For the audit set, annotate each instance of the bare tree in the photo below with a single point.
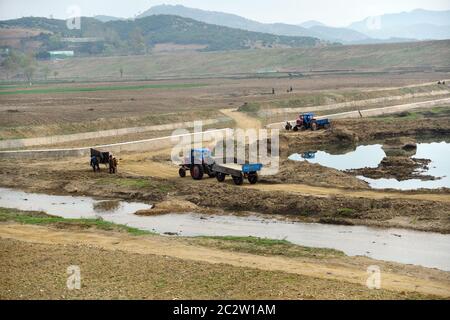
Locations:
(28, 65)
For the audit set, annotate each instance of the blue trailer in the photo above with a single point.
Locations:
(238, 172)
(200, 162)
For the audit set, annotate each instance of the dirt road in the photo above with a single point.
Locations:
(167, 171)
(242, 120)
(162, 246)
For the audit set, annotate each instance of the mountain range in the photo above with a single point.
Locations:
(415, 25)
(121, 36)
(418, 24)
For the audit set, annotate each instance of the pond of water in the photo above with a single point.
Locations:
(370, 156)
(404, 246)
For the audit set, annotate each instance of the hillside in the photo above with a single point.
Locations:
(235, 21)
(383, 57)
(140, 35)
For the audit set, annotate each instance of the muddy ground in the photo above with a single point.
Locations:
(34, 262)
(303, 191)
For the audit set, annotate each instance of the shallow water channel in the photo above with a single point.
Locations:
(370, 156)
(399, 245)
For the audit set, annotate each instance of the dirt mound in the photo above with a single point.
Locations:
(313, 174)
(170, 206)
(397, 167)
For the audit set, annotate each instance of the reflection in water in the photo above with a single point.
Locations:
(405, 246)
(107, 206)
(371, 156)
(64, 206)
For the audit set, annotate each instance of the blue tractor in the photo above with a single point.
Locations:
(198, 163)
(307, 121)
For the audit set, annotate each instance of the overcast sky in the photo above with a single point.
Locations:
(331, 12)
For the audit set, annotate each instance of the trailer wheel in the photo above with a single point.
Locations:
(220, 176)
(238, 180)
(182, 172)
(253, 178)
(314, 126)
(197, 172)
(295, 128)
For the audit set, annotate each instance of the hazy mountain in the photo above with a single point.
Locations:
(419, 24)
(310, 28)
(228, 20)
(104, 18)
(339, 34)
(311, 23)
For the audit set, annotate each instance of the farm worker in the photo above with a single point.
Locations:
(115, 162)
(112, 169)
(94, 163)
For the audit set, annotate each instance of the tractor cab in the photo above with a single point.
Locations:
(198, 162)
(305, 119)
(199, 156)
(308, 121)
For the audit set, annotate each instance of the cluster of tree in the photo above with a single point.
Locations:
(19, 62)
(25, 64)
(137, 36)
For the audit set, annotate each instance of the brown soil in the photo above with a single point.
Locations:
(331, 198)
(173, 205)
(352, 131)
(119, 266)
(34, 114)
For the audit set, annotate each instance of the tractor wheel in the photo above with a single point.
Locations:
(253, 178)
(182, 172)
(220, 176)
(295, 128)
(238, 180)
(327, 126)
(197, 172)
(314, 126)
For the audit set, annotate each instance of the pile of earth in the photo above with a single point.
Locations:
(399, 163)
(400, 168)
